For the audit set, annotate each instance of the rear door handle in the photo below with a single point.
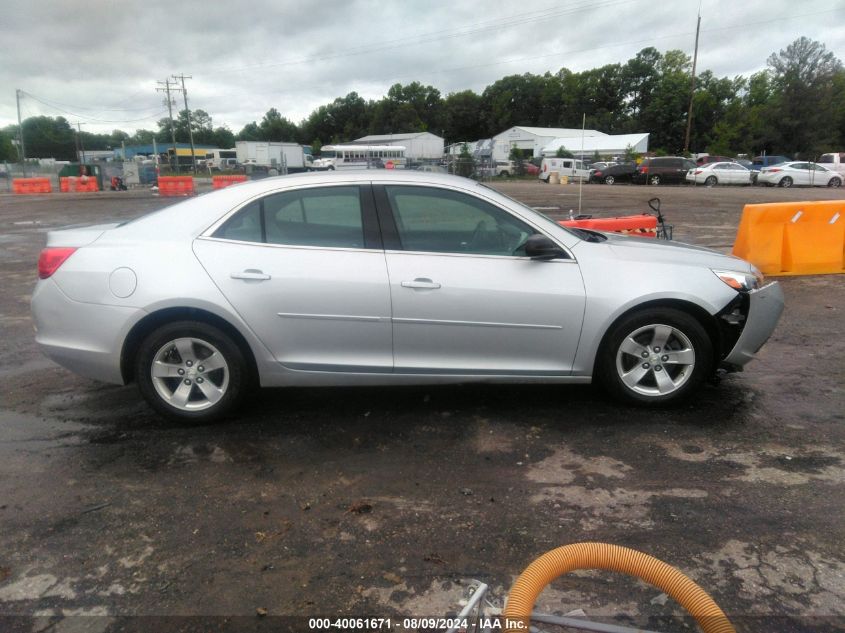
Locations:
(421, 282)
(251, 274)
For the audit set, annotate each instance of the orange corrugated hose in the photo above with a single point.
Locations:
(568, 558)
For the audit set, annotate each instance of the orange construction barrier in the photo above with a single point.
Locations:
(78, 184)
(642, 225)
(218, 182)
(31, 185)
(176, 185)
(793, 238)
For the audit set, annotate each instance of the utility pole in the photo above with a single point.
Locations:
(190, 130)
(79, 137)
(166, 89)
(22, 150)
(692, 86)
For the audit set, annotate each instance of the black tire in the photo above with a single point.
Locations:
(331, 168)
(786, 182)
(612, 362)
(504, 174)
(835, 182)
(711, 181)
(609, 180)
(654, 179)
(207, 338)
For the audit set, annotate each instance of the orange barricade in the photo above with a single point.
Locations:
(78, 184)
(218, 182)
(31, 185)
(175, 185)
(793, 238)
(643, 225)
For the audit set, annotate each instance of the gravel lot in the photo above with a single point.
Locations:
(386, 502)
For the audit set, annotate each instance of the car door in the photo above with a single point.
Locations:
(800, 173)
(465, 301)
(305, 269)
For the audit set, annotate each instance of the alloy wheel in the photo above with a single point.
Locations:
(655, 360)
(190, 374)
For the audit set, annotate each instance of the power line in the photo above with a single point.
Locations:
(83, 116)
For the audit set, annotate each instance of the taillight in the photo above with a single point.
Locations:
(597, 173)
(698, 171)
(772, 170)
(51, 258)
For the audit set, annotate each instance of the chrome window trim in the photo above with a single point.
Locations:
(294, 246)
(479, 256)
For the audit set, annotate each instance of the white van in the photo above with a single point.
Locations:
(834, 161)
(572, 168)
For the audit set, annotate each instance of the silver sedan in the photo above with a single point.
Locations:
(380, 278)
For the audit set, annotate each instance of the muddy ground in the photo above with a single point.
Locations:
(387, 502)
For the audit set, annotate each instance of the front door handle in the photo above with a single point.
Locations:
(251, 274)
(421, 282)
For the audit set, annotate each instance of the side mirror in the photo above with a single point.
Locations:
(542, 248)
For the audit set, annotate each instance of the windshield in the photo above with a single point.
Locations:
(328, 153)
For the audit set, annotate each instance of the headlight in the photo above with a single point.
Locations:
(740, 280)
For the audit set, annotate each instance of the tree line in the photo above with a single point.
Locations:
(795, 106)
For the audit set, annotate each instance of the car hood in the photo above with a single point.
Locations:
(651, 249)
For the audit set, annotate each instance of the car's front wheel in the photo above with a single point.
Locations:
(655, 356)
(191, 370)
(835, 182)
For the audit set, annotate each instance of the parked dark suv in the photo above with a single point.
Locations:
(663, 169)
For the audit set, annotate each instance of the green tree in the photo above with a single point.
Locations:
(275, 127)
(465, 164)
(562, 152)
(803, 77)
(517, 160)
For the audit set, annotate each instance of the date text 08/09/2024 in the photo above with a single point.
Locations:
(419, 625)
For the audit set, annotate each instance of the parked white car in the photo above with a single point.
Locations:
(799, 173)
(572, 168)
(712, 174)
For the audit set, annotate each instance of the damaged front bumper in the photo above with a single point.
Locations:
(764, 307)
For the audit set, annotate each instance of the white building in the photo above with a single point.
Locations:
(418, 145)
(533, 138)
(605, 145)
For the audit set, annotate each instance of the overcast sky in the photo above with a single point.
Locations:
(97, 61)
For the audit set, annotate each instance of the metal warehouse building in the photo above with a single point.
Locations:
(533, 138)
(418, 145)
(605, 145)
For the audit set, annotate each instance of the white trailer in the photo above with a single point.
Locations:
(284, 157)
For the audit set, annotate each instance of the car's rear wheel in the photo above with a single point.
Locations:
(191, 370)
(609, 180)
(835, 182)
(504, 174)
(711, 181)
(654, 180)
(786, 181)
(655, 356)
